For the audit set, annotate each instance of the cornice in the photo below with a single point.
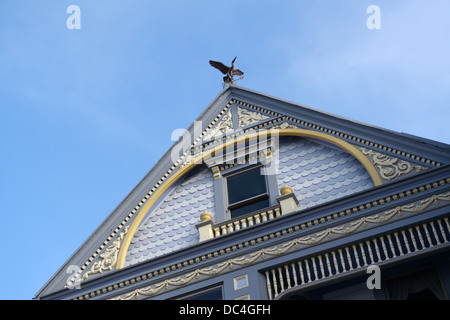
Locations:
(391, 140)
(364, 223)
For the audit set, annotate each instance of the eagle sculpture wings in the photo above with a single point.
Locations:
(229, 72)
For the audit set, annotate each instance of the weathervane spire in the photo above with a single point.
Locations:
(229, 72)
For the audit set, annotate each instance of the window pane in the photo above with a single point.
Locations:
(245, 185)
(264, 203)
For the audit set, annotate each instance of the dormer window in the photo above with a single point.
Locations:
(246, 191)
(244, 179)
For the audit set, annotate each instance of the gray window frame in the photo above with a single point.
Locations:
(221, 193)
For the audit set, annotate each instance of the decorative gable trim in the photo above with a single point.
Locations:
(288, 122)
(251, 118)
(108, 258)
(247, 117)
(224, 126)
(391, 168)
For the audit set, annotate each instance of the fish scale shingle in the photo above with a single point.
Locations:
(318, 173)
(171, 225)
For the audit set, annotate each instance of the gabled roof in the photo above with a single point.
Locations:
(394, 155)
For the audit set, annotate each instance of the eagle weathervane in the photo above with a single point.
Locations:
(229, 72)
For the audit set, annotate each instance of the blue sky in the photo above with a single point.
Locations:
(85, 114)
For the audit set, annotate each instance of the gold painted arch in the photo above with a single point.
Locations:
(210, 153)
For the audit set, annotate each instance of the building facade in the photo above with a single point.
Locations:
(264, 199)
